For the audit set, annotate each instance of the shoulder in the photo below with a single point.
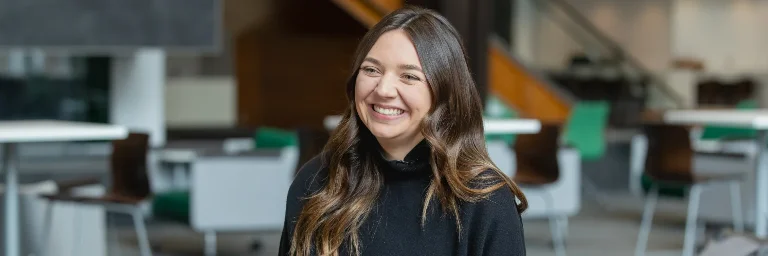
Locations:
(495, 226)
(310, 178)
(499, 203)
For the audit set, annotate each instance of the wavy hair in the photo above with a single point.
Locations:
(453, 129)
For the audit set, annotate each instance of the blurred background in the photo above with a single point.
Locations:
(235, 95)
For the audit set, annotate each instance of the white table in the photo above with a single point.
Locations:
(754, 119)
(492, 126)
(15, 132)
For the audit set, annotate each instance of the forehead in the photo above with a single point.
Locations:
(395, 47)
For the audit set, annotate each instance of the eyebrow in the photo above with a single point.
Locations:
(402, 66)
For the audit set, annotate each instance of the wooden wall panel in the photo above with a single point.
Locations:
(291, 71)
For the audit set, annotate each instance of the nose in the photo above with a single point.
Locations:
(386, 87)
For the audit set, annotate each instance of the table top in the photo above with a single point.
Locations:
(492, 126)
(756, 119)
(511, 126)
(53, 131)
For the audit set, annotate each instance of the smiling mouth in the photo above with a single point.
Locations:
(387, 111)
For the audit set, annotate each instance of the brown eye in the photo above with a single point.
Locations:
(369, 71)
(410, 77)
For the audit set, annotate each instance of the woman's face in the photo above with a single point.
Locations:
(391, 91)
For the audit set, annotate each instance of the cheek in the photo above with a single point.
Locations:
(419, 100)
(363, 87)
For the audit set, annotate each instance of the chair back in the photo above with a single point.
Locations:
(537, 155)
(585, 129)
(129, 166)
(714, 132)
(670, 154)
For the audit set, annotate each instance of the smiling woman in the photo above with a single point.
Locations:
(406, 172)
(392, 95)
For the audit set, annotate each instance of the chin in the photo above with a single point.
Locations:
(385, 132)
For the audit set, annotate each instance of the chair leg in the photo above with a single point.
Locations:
(556, 226)
(563, 223)
(645, 225)
(691, 221)
(738, 217)
(558, 235)
(141, 232)
(46, 229)
(210, 243)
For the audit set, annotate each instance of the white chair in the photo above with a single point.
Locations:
(88, 222)
(665, 153)
(549, 175)
(243, 192)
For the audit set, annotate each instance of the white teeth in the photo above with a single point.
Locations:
(388, 111)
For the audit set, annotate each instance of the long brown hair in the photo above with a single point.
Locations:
(453, 129)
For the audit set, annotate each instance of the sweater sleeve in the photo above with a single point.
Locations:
(308, 179)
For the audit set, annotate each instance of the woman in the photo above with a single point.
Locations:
(406, 172)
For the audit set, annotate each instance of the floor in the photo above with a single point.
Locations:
(595, 232)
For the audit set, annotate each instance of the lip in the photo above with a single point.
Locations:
(381, 116)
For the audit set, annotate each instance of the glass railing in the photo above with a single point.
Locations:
(578, 40)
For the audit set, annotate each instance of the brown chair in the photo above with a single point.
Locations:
(537, 156)
(669, 163)
(538, 169)
(129, 186)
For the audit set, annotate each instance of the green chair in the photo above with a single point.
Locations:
(712, 132)
(495, 108)
(723, 132)
(275, 138)
(585, 129)
(709, 133)
(172, 205)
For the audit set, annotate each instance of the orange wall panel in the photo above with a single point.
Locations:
(387, 5)
(513, 85)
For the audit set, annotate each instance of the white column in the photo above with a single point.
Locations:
(138, 92)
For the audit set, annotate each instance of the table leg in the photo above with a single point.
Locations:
(11, 201)
(761, 187)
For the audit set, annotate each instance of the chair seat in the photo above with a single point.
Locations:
(172, 205)
(118, 199)
(526, 176)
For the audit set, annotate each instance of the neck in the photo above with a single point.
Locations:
(397, 149)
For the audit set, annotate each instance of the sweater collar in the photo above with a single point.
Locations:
(417, 160)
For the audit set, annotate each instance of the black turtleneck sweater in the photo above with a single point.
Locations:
(490, 227)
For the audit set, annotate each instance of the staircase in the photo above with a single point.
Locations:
(520, 88)
(604, 70)
(607, 72)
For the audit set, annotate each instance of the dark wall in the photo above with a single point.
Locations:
(473, 19)
(111, 24)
